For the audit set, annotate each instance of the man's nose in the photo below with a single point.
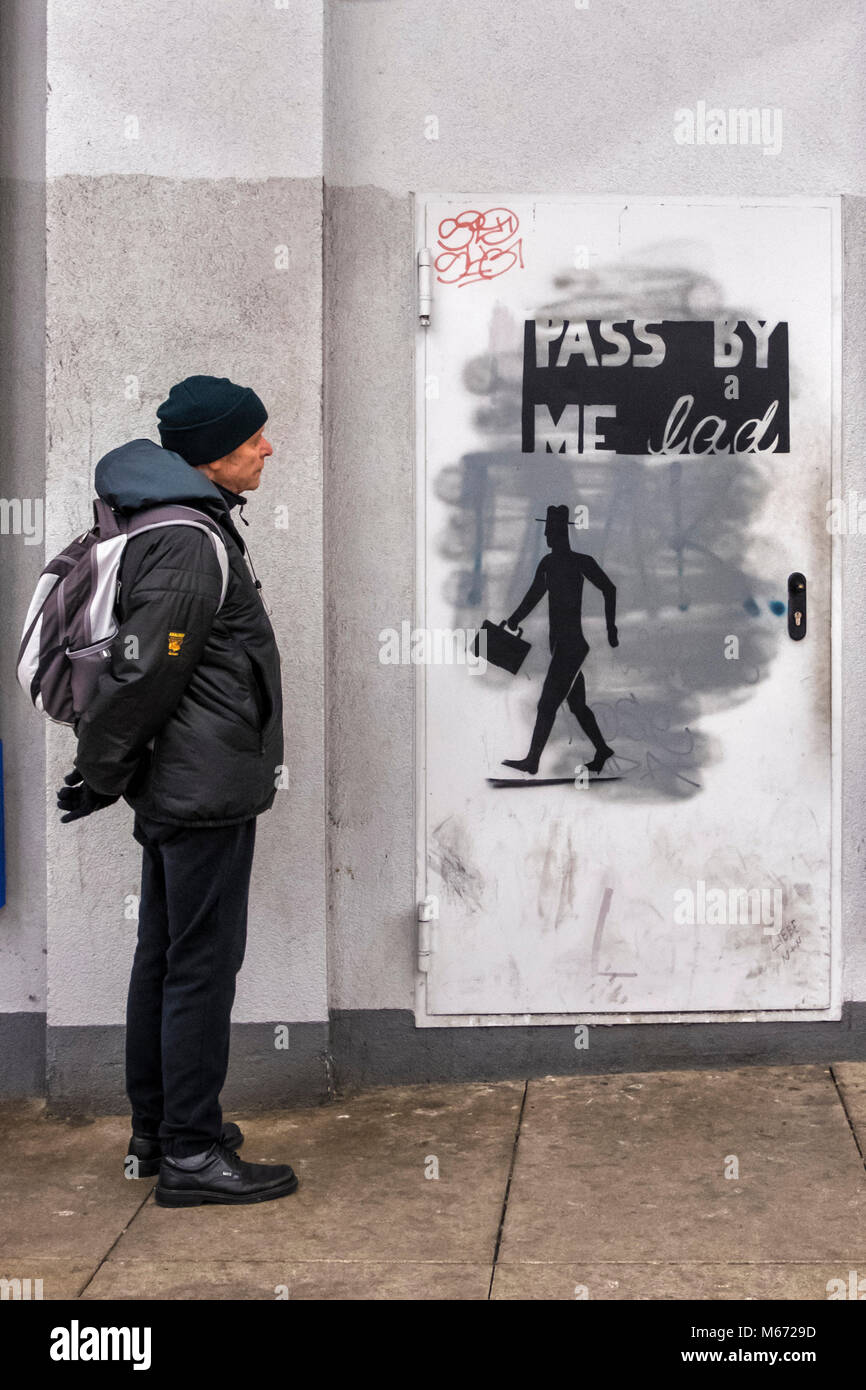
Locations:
(266, 449)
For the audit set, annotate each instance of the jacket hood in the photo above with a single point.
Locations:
(143, 474)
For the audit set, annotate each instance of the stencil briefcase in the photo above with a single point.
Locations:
(504, 648)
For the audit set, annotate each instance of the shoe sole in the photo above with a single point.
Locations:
(192, 1197)
(149, 1167)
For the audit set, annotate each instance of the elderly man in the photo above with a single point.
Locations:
(187, 727)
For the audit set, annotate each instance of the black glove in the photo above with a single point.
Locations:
(612, 637)
(77, 799)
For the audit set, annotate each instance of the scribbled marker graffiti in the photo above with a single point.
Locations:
(474, 246)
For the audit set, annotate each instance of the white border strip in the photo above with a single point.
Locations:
(836, 610)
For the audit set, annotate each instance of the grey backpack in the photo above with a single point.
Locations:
(71, 621)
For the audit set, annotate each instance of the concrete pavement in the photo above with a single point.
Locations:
(734, 1184)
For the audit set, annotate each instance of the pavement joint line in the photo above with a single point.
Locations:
(675, 1264)
(847, 1113)
(458, 1264)
(338, 1260)
(113, 1244)
(507, 1188)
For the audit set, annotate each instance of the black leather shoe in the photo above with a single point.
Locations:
(219, 1177)
(148, 1152)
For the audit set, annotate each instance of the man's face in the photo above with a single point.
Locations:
(241, 470)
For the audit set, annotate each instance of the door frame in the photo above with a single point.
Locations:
(833, 1012)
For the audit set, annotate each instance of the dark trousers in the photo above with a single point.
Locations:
(192, 929)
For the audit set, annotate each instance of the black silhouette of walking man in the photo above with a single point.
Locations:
(562, 573)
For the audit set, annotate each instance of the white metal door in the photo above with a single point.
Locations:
(667, 371)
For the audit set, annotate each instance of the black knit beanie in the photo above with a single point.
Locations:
(206, 417)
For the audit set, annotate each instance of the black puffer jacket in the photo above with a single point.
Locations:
(187, 725)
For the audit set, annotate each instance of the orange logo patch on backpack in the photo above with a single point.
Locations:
(175, 641)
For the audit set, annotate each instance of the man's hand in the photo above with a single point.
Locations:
(77, 799)
(612, 637)
(509, 622)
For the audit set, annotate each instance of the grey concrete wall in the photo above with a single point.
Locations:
(184, 157)
(186, 143)
(208, 299)
(22, 434)
(530, 98)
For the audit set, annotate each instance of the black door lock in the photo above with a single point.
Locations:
(797, 606)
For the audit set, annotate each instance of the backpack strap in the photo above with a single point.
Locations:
(105, 520)
(153, 518)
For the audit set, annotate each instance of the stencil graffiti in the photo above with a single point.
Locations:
(561, 576)
(635, 387)
(672, 526)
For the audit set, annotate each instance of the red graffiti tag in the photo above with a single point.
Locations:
(474, 246)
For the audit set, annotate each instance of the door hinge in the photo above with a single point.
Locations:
(425, 285)
(428, 913)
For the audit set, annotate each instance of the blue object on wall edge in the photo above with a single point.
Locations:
(2, 837)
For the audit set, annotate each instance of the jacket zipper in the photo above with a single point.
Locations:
(258, 584)
(249, 559)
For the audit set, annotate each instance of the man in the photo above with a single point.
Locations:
(187, 727)
(561, 574)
